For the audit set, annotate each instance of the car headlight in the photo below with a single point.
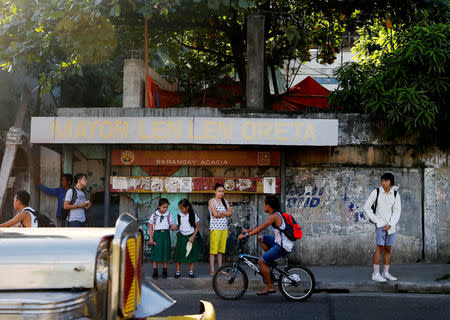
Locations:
(102, 266)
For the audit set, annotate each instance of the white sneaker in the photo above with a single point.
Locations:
(389, 277)
(378, 278)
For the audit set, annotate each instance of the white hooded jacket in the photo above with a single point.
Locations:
(388, 208)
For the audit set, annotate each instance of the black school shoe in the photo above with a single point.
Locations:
(164, 274)
(177, 275)
(155, 273)
(191, 274)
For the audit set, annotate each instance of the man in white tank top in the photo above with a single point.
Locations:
(24, 218)
(274, 246)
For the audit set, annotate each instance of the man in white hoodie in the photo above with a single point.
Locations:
(383, 207)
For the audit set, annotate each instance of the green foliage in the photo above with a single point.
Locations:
(201, 40)
(405, 81)
(56, 40)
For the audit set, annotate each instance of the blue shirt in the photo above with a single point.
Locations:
(57, 192)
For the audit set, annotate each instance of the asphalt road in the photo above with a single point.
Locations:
(323, 306)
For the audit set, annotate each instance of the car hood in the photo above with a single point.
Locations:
(49, 258)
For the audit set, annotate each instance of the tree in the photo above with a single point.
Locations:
(199, 39)
(403, 77)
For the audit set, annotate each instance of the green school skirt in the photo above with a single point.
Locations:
(161, 251)
(180, 249)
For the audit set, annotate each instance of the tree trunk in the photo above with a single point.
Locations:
(238, 48)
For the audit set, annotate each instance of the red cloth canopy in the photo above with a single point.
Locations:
(227, 93)
(160, 98)
(307, 93)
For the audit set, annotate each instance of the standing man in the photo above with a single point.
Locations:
(77, 214)
(24, 217)
(66, 182)
(383, 207)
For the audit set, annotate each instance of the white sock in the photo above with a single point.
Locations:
(376, 268)
(385, 269)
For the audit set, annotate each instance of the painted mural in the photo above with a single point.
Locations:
(141, 184)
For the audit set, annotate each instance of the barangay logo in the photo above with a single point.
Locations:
(229, 185)
(127, 157)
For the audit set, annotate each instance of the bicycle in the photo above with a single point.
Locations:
(230, 281)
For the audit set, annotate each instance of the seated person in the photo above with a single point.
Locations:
(275, 246)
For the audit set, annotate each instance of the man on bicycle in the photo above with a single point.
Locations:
(275, 246)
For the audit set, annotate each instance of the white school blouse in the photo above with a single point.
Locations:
(185, 227)
(161, 221)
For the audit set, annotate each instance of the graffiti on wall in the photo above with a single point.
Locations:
(310, 197)
(355, 214)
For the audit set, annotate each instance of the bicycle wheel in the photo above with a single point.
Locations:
(298, 284)
(230, 283)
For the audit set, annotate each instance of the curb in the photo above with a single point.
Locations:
(321, 286)
(390, 287)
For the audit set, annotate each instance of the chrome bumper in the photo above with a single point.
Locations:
(88, 304)
(51, 305)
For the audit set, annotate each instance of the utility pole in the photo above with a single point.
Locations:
(255, 63)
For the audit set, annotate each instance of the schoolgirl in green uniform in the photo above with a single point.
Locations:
(188, 229)
(159, 225)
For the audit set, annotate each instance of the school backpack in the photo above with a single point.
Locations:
(65, 213)
(292, 230)
(42, 220)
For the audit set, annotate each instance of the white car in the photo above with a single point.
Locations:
(78, 273)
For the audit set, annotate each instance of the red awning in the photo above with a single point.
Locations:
(307, 93)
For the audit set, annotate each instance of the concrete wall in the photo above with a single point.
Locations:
(336, 231)
(436, 215)
(442, 177)
(328, 204)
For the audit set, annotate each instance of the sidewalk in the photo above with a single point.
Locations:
(413, 278)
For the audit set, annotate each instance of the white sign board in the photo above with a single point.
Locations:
(187, 130)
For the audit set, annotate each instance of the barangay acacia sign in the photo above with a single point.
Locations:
(184, 130)
(235, 158)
